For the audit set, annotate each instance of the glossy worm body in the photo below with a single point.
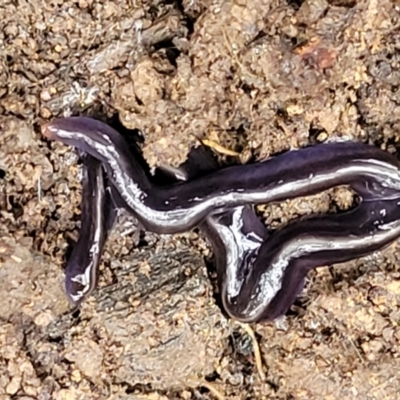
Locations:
(260, 275)
(98, 214)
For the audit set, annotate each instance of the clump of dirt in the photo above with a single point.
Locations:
(250, 79)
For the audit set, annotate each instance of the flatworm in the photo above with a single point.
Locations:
(260, 275)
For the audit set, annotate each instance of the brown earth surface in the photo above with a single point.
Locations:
(254, 77)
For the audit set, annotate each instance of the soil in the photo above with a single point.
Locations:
(251, 78)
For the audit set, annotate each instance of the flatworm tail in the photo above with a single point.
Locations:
(97, 218)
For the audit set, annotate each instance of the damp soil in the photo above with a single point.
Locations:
(251, 79)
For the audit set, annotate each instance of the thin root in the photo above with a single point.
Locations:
(256, 349)
(219, 148)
